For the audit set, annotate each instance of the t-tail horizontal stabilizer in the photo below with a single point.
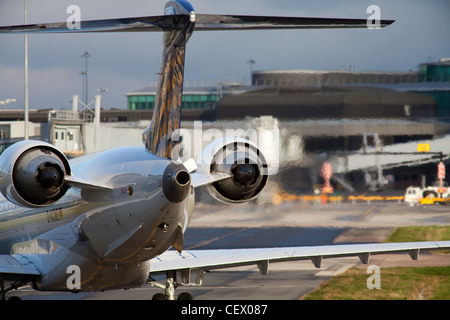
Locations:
(203, 22)
(213, 22)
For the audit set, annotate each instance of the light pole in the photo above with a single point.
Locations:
(26, 75)
(83, 87)
(86, 55)
(251, 62)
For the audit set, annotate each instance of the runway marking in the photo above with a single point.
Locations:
(333, 272)
(369, 210)
(206, 242)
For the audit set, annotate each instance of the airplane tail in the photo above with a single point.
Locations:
(159, 137)
(178, 23)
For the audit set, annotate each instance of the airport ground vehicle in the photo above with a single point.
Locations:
(434, 194)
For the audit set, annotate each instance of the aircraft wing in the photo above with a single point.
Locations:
(197, 260)
(17, 265)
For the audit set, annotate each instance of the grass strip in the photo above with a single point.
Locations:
(401, 283)
(420, 233)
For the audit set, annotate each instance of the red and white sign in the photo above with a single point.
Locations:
(327, 173)
(441, 171)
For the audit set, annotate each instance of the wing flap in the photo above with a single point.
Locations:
(227, 258)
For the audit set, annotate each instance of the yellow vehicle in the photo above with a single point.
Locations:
(430, 195)
(431, 200)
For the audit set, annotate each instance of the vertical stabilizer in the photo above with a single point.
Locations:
(167, 111)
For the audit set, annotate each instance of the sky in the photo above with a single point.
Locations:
(126, 62)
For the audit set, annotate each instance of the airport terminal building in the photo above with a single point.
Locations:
(325, 114)
(321, 116)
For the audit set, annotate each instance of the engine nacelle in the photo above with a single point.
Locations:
(32, 173)
(243, 161)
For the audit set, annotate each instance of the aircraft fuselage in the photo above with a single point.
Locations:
(109, 231)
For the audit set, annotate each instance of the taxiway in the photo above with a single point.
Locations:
(289, 224)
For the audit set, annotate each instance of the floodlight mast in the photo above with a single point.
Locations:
(26, 134)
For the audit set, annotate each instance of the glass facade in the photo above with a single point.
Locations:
(437, 72)
(434, 72)
(140, 101)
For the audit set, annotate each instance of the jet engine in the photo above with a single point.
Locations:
(32, 173)
(243, 165)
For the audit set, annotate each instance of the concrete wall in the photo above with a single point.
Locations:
(112, 135)
(17, 129)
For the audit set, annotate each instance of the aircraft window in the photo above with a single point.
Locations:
(56, 135)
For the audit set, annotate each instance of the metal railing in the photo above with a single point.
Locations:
(70, 115)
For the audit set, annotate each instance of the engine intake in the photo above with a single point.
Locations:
(245, 164)
(32, 173)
